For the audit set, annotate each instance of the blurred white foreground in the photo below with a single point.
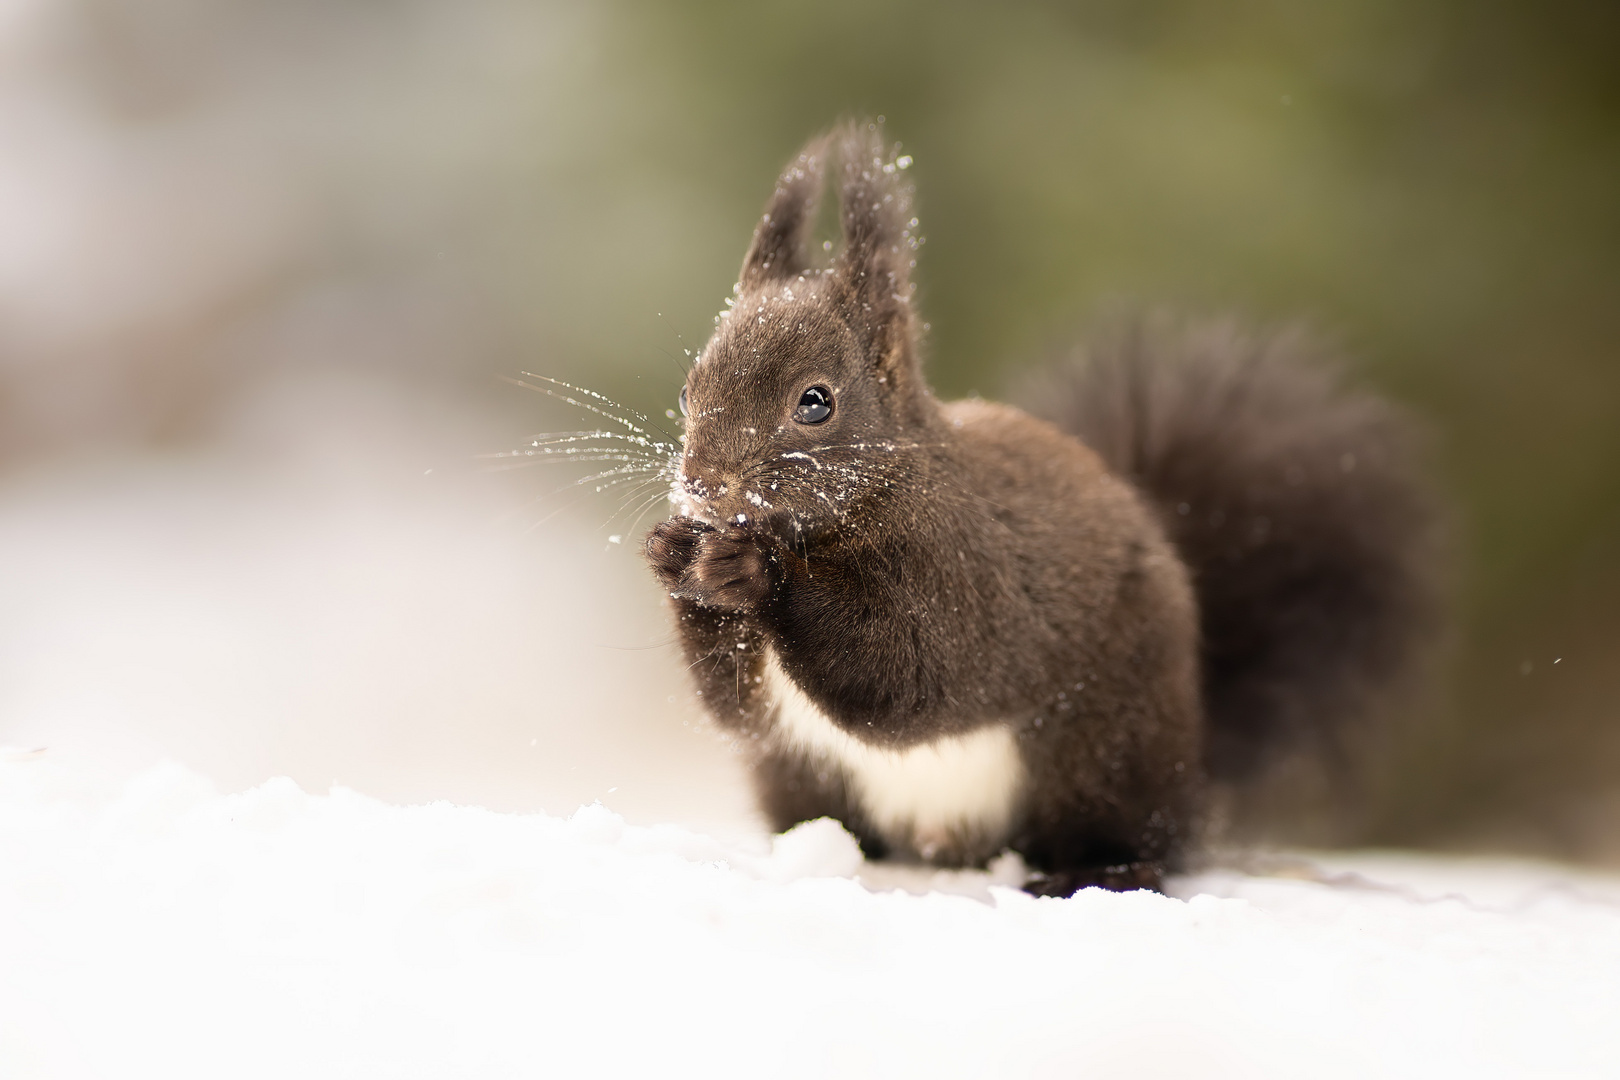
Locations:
(329, 598)
(174, 932)
(328, 592)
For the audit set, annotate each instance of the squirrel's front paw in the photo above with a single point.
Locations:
(732, 570)
(671, 546)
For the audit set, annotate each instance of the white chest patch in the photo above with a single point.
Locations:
(953, 793)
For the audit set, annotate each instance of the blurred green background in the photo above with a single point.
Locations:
(204, 197)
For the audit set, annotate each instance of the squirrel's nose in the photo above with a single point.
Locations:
(702, 488)
(707, 483)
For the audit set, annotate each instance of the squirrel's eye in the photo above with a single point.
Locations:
(682, 401)
(815, 405)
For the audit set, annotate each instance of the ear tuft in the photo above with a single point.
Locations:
(870, 279)
(778, 248)
(875, 200)
(880, 248)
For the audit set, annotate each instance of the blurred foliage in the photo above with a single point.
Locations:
(494, 186)
(1436, 184)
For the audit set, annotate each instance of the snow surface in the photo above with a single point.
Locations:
(315, 597)
(168, 930)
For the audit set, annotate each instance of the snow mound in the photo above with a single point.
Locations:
(168, 930)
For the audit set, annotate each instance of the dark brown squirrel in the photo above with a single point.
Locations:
(960, 629)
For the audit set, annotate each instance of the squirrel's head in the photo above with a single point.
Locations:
(806, 406)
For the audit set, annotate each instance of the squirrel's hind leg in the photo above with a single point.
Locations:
(1079, 852)
(1119, 877)
(793, 787)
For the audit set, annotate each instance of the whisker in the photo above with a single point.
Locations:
(640, 509)
(639, 464)
(581, 495)
(684, 365)
(587, 406)
(635, 526)
(578, 484)
(565, 505)
(611, 480)
(521, 462)
(601, 398)
(565, 438)
(666, 643)
(635, 495)
(604, 404)
(680, 365)
(565, 452)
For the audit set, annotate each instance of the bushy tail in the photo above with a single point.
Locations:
(1295, 501)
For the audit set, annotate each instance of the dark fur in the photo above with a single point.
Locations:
(1294, 501)
(925, 569)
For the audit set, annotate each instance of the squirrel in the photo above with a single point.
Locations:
(961, 628)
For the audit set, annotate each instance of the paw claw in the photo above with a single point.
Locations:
(731, 570)
(671, 546)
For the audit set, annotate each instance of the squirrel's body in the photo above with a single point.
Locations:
(951, 626)
(869, 694)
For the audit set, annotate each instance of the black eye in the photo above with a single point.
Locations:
(815, 405)
(682, 401)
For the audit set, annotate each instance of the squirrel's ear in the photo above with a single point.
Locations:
(880, 241)
(779, 238)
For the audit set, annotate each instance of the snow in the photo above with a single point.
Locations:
(166, 929)
(333, 603)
